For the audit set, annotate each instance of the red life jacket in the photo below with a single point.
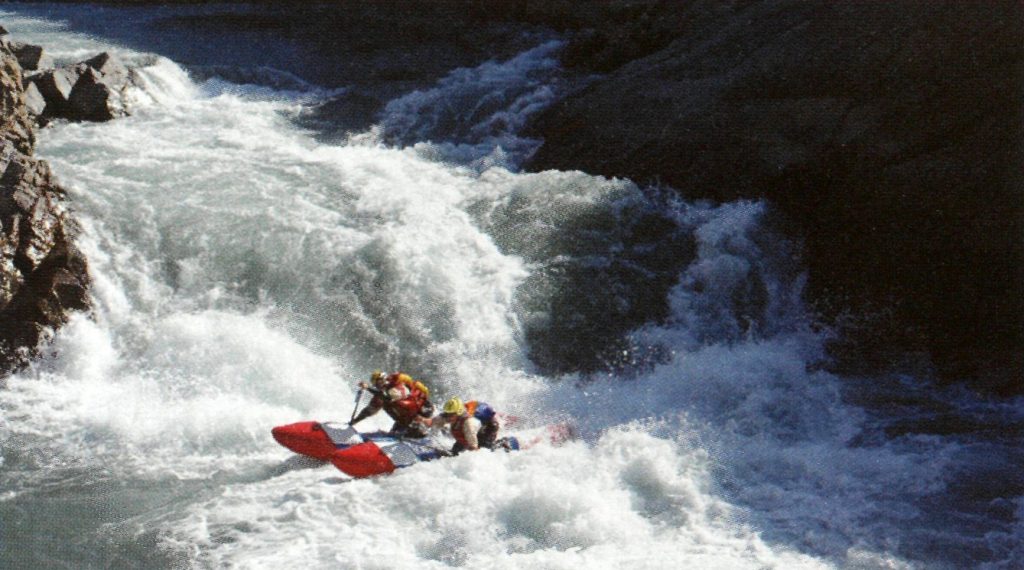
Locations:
(404, 408)
(474, 409)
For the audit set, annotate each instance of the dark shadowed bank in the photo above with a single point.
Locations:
(887, 135)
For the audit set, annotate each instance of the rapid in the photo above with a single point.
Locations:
(248, 273)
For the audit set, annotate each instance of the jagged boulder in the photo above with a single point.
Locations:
(55, 85)
(98, 94)
(31, 57)
(43, 275)
(15, 123)
(92, 90)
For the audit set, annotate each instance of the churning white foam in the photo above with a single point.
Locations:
(473, 116)
(629, 499)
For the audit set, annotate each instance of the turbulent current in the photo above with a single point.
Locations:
(248, 273)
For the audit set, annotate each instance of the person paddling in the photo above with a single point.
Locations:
(402, 398)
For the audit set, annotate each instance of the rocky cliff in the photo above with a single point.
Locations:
(889, 134)
(43, 276)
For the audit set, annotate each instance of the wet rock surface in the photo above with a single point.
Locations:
(15, 123)
(43, 275)
(92, 90)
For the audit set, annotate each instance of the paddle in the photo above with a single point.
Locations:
(355, 408)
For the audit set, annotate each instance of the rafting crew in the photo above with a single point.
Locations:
(473, 424)
(400, 396)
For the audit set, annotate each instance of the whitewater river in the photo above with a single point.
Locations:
(247, 274)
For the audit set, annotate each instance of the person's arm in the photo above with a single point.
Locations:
(435, 426)
(469, 429)
(371, 389)
(372, 408)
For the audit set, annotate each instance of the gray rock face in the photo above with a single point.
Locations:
(15, 124)
(95, 98)
(890, 135)
(31, 57)
(109, 68)
(92, 90)
(43, 276)
(55, 86)
(35, 104)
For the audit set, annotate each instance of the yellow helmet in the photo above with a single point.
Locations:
(454, 407)
(377, 376)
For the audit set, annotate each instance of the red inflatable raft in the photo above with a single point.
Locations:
(355, 454)
(365, 455)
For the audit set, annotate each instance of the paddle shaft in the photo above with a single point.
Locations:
(355, 408)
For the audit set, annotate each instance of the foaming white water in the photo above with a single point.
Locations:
(246, 276)
(629, 499)
(472, 116)
(220, 243)
(191, 398)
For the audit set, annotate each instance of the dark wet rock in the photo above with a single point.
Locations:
(43, 275)
(94, 98)
(98, 94)
(55, 86)
(92, 90)
(890, 135)
(31, 57)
